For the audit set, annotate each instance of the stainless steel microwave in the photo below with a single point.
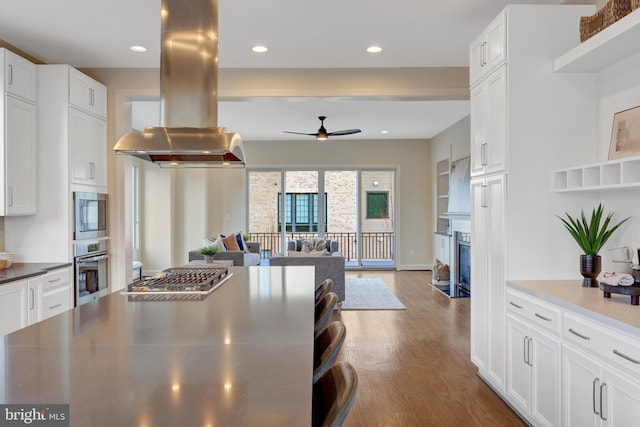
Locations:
(90, 215)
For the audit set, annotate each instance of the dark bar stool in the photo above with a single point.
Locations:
(323, 289)
(326, 347)
(323, 310)
(333, 395)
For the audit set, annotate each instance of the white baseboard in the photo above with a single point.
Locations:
(414, 267)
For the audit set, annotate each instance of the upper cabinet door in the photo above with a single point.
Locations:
(488, 50)
(20, 164)
(87, 94)
(19, 76)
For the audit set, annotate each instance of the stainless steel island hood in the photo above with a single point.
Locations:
(189, 136)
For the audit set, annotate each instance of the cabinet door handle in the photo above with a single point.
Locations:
(10, 74)
(91, 96)
(525, 353)
(92, 170)
(603, 388)
(483, 196)
(530, 363)
(33, 299)
(593, 394)
(515, 305)
(624, 356)
(540, 316)
(578, 334)
(484, 54)
(10, 191)
(55, 306)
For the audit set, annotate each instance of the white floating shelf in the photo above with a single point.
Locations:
(622, 173)
(609, 46)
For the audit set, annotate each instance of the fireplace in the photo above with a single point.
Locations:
(462, 276)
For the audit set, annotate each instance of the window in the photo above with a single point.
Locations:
(300, 212)
(377, 204)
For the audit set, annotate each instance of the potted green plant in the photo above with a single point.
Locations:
(208, 252)
(591, 235)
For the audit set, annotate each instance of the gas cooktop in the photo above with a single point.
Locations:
(187, 282)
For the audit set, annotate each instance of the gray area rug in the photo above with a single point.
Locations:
(369, 294)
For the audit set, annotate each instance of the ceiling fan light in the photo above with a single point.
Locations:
(260, 49)
(374, 49)
(321, 137)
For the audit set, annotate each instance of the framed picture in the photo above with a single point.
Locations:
(625, 135)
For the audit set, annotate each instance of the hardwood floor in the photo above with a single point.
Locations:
(413, 365)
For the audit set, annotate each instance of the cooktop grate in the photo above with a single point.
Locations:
(180, 281)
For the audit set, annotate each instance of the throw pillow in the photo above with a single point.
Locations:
(218, 244)
(240, 241)
(231, 243)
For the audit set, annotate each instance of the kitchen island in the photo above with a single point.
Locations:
(242, 356)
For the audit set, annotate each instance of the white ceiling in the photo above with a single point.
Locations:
(299, 34)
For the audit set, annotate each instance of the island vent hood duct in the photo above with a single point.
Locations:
(188, 136)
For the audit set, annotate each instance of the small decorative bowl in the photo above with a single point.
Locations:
(6, 259)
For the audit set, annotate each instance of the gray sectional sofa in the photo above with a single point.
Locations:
(329, 266)
(239, 258)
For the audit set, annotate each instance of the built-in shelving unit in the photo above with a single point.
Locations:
(609, 46)
(442, 196)
(622, 173)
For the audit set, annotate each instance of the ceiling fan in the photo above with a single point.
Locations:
(322, 133)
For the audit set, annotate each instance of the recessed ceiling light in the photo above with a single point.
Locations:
(259, 49)
(138, 48)
(374, 49)
(384, 131)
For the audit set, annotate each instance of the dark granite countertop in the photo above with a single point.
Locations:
(20, 271)
(243, 356)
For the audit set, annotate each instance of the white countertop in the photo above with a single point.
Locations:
(589, 302)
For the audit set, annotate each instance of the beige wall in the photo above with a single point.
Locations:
(410, 157)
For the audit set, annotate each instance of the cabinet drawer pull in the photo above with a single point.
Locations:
(578, 334)
(624, 356)
(593, 394)
(603, 387)
(55, 306)
(540, 316)
(515, 305)
(54, 280)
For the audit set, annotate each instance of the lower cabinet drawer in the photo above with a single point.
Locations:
(56, 301)
(618, 348)
(535, 311)
(56, 278)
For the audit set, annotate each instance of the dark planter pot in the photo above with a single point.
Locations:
(590, 266)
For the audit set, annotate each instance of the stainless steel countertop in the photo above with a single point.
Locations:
(20, 271)
(241, 357)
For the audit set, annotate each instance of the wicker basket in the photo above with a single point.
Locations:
(635, 4)
(610, 13)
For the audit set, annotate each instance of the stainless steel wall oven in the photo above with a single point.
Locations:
(91, 260)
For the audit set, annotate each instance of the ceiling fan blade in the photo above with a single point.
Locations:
(300, 133)
(344, 132)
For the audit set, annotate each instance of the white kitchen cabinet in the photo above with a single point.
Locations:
(13, 306)
(87, 94)
(533, 372)
(595, 394)
(20, 189)
(57, 292)
(18, 130)
(489, 124)
(489, 49)
(19, 76)
(487, 278)
(87, 148)
(520, 131)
